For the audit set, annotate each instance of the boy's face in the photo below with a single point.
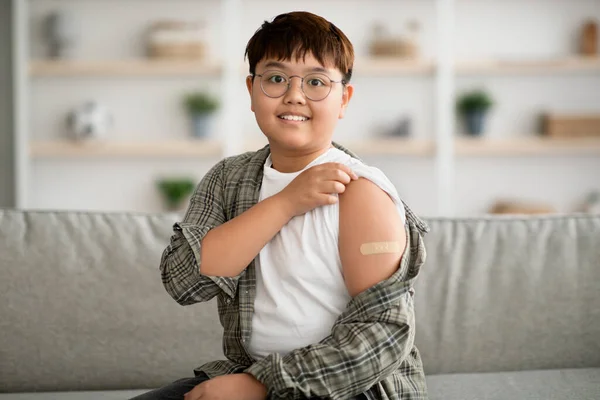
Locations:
(315, 131)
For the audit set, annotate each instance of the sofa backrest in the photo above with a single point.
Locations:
(82, 305)
(510, 293)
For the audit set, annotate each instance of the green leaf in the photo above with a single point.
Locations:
(200, 103)
(476, 100)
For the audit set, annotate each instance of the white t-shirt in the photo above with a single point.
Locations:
(300, 289)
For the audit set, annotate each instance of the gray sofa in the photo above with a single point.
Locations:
(507, 308)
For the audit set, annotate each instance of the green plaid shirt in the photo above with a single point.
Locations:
(370, 348)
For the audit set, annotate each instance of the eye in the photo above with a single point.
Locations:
(313, 81)
(277, 79)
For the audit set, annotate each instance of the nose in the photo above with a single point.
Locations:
(294, 94)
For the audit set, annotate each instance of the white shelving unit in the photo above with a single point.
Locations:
(390, 66)
(565, 65)
(20, 59)
(443, 147)
(111, 149)
(534, 146)
(123, 68)
(528, 146)
(362, 66)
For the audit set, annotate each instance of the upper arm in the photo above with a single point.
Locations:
(368, 215)
(206, 206)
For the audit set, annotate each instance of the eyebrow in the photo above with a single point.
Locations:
(275, 64)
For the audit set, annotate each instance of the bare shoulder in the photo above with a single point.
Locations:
(364, 192)
(369, 219)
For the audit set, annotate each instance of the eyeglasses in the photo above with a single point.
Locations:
(275, 84)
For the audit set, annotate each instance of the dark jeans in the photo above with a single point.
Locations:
(173, 391)
(177, 389)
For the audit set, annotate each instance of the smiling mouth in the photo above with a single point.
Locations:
(296, 118)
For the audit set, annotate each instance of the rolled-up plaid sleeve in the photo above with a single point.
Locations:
(181, 261)
(367, 344)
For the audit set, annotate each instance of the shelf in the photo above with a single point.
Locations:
(392, 66)
(367, 66)
(391, 146)
(542, 66)
(362, 67)
(383, 146)
(73, 149)
(534, 146)
(133, 67)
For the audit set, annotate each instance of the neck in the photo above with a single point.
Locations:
(287, 161)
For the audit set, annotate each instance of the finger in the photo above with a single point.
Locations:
(195, 393)
(331, 187)
(197, 397)
(347, 170)
(328, 199)
(336, 174)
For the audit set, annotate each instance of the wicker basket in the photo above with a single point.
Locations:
(393, 48)
(176, 40)
(570, 126)
(192, 51)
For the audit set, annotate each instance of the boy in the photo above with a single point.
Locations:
(310, 253)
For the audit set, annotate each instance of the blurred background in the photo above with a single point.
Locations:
(469, 106)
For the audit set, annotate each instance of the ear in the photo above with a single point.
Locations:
(249, 84)
(346, 96)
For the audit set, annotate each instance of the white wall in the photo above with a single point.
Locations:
(150, 108)
(520, 29)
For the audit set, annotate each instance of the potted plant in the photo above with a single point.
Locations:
(201, 106)
(473, 106)
(175, 191)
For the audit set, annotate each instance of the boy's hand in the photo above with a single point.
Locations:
(229, 387)
(314, 187)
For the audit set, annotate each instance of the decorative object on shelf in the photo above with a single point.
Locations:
(521, 207)
(175, 191)
(89, 121)
(385, 45)
(401, 127)
(61, 33)
(591, 204)
(176, 40)
(201, 107)
(571, 125)
(589, 38)
(473, 107)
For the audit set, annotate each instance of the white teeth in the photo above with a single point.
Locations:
(293, 117)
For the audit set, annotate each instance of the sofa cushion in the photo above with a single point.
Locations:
(509, 294)
(572, 384)
(83, 307)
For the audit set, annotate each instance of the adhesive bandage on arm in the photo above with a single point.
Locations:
(379, 248)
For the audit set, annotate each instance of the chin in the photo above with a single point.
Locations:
(290, 144)
(289, 140)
